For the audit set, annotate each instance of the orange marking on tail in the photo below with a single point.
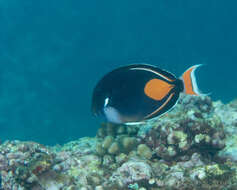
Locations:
(187, 79)
(157, 89)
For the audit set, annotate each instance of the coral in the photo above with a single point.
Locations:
(116, 140)
(228, 115)
(30, 165)
(131, 172)
(187, 130)
(193, 174)
(191, 147)
(121, 158)
(33, 166)
(144, 151)
(114, 130)
(114, 148)
(82, 146)
(107, 142)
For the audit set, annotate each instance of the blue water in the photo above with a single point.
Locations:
(52, 53)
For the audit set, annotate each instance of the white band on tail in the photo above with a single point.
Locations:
(189, 81)
(194, 81)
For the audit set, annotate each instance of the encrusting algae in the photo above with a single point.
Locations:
(191, 147)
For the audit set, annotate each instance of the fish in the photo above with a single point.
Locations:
(139, 92)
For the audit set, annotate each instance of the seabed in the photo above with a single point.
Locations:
(193, 147)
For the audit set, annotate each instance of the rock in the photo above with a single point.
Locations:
(114, 148)
(144, 151)
(131, 172)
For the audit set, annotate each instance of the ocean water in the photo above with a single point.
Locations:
(52, 53)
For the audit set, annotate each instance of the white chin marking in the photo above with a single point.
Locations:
(112, 115)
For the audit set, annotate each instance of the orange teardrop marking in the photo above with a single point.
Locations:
(157, 89)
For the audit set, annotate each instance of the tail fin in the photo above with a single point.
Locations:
(189, 80)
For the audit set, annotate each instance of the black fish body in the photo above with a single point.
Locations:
(137, 92)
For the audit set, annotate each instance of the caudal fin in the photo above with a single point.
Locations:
(189, 80)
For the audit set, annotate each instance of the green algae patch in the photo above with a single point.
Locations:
(144, 151)
(219, 174)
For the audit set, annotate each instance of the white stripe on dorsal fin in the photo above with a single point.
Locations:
(150, 70)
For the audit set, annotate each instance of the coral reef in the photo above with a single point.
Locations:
(191, 127)
(228, 115)
(191, 147)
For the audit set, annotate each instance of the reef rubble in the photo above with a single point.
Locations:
(192, 147)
